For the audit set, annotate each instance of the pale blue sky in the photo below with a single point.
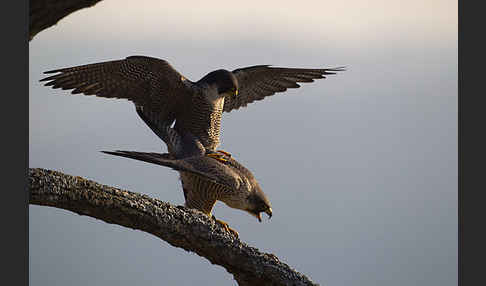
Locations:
(361, 167)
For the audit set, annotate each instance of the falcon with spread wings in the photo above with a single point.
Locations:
(164, 95)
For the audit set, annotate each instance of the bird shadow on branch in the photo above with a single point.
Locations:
(179, 226)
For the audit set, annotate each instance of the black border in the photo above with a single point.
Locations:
(15, 144)
(471, 143)
(15, 115)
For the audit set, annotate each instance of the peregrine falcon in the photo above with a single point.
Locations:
(206, 180)
(165, 96)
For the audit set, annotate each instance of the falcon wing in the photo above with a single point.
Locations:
(179, 145)
(258, 82)
(146, 81)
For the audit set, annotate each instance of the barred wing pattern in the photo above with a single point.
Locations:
(257, 82)
(146, 81)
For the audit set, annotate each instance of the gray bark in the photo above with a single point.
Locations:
(179, 226)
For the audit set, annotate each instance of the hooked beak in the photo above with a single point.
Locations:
(268, 212)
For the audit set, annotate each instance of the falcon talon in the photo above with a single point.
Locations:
(226, 227)
(224, 152)
(163, 97)
(161, 92)
(218, 157)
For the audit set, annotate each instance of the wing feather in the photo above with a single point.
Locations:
(257, 82)
(146, 81)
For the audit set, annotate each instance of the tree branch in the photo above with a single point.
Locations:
(46, 13)
(181, 227)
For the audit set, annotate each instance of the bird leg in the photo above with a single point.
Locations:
(226, 226)
(224, 152)
(218, 156)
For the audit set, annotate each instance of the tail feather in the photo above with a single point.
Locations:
(154, 158)
(164, 160)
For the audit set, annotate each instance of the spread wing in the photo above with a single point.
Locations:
(146, 81)
(258, 82)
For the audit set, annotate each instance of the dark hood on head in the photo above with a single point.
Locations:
(223, 79)
(259, 203)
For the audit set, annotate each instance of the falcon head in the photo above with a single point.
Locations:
(257, 203)
(224, 81)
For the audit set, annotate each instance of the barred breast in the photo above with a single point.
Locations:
(201, 193)
(203, 120)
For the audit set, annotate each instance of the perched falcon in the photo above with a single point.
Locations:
(204, 179)
(164, 95)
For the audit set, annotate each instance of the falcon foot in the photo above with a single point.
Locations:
(226, 227)
(224, 152)
(218, 156)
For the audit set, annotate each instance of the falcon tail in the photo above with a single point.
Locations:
(154, 158)
(163, 160)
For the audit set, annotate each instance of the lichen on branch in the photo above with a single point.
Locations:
(179, 226)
